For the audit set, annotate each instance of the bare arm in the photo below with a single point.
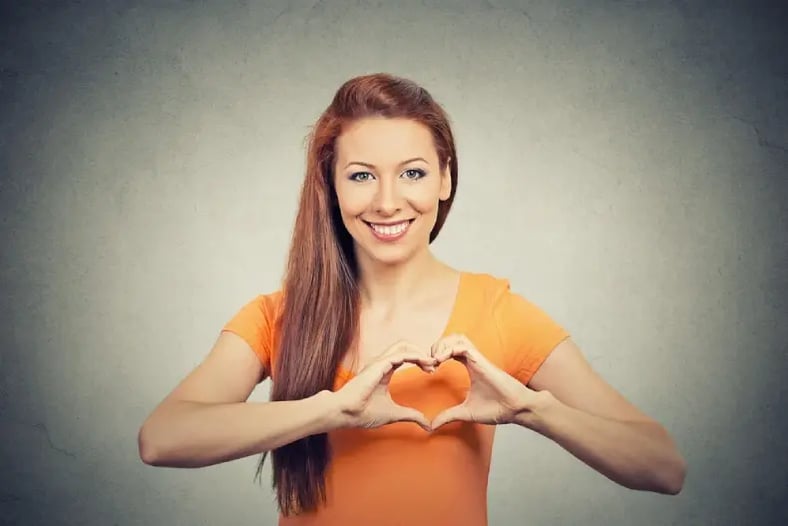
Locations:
(206, 419)
(586, 416)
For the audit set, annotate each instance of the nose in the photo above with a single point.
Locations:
(387, 198)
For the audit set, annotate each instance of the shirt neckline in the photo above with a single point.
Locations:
(346, 374)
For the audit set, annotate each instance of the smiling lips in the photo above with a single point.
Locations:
(390, 232)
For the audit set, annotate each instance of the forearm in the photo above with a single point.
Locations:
(637, 455)
(195, 434)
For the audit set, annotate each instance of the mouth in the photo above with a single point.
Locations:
(390, 231)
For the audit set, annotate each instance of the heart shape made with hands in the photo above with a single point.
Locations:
(494, 397)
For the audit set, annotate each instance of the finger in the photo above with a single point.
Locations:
(428, 368)
(438, 350)
(416, 357)
(463, 353)
(461, 349)
(467, 345)
(452, 414)
(408, 414)
(389, 364)
(388, 374)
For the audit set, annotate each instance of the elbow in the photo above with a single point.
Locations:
(145, 448)
(670, 470)
(672, 476)
(679, 477)
(149, 450)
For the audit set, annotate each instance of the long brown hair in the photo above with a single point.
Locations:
(319, 317)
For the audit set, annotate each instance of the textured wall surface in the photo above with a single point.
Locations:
(624, 164)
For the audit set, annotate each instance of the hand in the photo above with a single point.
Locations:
(365, 400)
(494, 396)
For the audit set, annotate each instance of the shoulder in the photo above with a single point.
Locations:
(526, 334)
(256, 323)
(493, 296)
(487, 289)
(269, 303)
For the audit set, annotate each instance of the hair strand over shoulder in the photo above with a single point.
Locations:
(318, 324)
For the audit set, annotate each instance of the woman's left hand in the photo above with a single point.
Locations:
(494, 396)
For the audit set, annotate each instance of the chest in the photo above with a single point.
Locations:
(377, 334)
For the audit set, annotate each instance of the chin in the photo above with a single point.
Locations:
(386, 256)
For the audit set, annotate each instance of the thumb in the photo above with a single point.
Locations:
(408, 414)
(451, 414)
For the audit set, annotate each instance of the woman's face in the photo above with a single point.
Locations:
(388, 185)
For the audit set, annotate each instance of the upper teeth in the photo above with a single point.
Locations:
(390, 230)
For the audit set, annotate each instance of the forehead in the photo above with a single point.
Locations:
(384, 140)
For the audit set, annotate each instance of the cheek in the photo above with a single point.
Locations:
(426, 200)
(351, 204)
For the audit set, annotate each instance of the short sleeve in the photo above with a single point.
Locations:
(527, 333)
(254, 322)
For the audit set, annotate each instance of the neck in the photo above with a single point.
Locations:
(387, 286)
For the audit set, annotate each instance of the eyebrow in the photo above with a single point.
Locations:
(368, 165)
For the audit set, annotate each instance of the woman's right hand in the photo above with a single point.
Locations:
(365, 400)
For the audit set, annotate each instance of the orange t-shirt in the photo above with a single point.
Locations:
(399, 474)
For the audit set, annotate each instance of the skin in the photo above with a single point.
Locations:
(389, 191)
(207, 419)
(565, 400)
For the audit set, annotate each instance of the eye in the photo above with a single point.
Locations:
(414, 174)
(360, 176)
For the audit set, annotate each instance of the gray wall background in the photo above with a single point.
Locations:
(623, 163)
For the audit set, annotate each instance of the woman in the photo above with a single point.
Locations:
(391, 369)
